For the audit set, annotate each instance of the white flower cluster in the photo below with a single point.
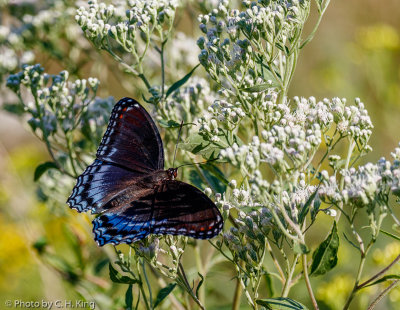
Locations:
(237, 43)
(164, 256)
(366, 186)
(182, 53)
(10, 58)
(143, 19)
(188, 102)
(246, 239)
(281, 147)
(220, 115)
(58, 103)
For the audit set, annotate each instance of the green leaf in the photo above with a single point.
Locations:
(280, 303)
(14, 108)
(325, 256)
(384, 279)
(197, 145)
(146, 100)
(164, 292)
(169, 124)
(40, 244)
(100, 264)
(117, 278)
(129, 298)
(390, 235)
(315, 208)
(269, 284)
(215, 177)
(200, 284)
(42, 168)
(300, 248)
(179, 83)
(306, 207)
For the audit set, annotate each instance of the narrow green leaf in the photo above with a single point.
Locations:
(325, 256)
(146, 100)
(100, 264)
(42, 168)
(138, 300)
(117, 278)
(14, 108)
(304, 211)
(315, 208)
(169, 124)
(384, 279)
(214, 176)
(390, 235)
(129, 298)
(215, 171)
(179, 83)
(164, 292)
(300, 248)
(197, 145)
(269, 283)
(280, 303)
(200, 284)
(280, 46)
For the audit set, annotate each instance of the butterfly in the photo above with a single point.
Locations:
(131, 192)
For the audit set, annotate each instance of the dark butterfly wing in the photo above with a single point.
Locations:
(98, 184)
(132, 139)
(173, 208)
(125, 224)
(182, 209)
(131, 147)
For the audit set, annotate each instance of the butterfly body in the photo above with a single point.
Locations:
(130, 190)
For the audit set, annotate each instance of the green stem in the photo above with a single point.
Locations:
(308, 283)
(276, 263)
(145, 81)
(200, 268)
(162, 69)
(288, 282)
(311, 36)
(237, 295)
(380, 273)
(70, 153)
(383, 294)
(148, 284)
(186, 285)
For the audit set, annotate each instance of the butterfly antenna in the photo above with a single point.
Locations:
(176, 146)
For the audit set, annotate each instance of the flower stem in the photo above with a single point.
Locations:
(383, 294)
(308, 283)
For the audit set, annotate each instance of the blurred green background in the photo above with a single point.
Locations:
(355, 53)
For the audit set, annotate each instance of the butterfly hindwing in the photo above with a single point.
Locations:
(182, 209)
(132, 139)
(126, 224)
(173, 207)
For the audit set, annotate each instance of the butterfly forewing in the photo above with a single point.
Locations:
(132, 139)
(98, 184)
(131, 147)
